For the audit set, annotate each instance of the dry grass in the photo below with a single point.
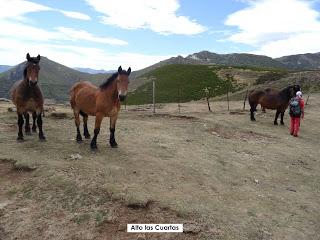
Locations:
(220, 174)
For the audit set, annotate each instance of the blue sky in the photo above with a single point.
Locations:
(104, 34)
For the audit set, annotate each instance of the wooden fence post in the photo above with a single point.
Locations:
(228, 100)
(307, 99)
(179, 100)
(153, 96)
(208, 104)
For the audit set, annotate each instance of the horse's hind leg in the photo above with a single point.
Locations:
(27, 125)
(20, 124)
(85, 125)
(99, 117)
(282, 115)
(34, 119)
(77, 122)
(39, 123)
(253, 108)
(276, 118)
(112, 141)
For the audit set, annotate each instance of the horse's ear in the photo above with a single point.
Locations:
(129, 71)
(28, 56)
(120, 69)
(38, 57)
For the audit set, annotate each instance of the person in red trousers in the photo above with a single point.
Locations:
(296, 113)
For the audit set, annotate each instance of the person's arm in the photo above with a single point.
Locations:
(302, 108)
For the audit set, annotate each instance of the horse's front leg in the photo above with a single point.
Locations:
(27, 125)
(39, 123)
(113, 120)
(99, 117)
(276, 118)
(282, 115)
(20, 124)
(34, 119)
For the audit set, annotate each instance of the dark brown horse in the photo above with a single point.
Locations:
(27, 97)
(104, 101)
(272, 99)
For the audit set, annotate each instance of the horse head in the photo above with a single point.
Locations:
(34, 60)
(296, 88)
(291, 90)
(123, 82)
(31, 71)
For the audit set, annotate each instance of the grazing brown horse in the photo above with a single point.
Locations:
(27, 97)
(104, 101)
(272, 99)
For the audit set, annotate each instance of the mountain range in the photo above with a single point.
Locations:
(4, 68)
(308, 61)
(56, 79)
(94, 71)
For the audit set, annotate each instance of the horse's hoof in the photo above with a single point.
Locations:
(275, 123)
(34, 130)
(87, 136)
(42, 138)
(20, 139)
(79, 139)
(282, 123)
(93, 147)
(28, 132)
(253, 120)
(114, 145)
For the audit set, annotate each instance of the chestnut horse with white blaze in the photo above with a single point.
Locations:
(104, 101)
(27, 96)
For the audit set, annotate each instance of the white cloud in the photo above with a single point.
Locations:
(75, 34)
(15, 9)
(158, 16)
(277, 27)
(18, 38)
(11, 12)
(75, 15)
(15, 50)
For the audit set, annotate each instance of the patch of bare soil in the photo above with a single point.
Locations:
(229, 133)
(170, 116)
(34, 208)
(7, 127)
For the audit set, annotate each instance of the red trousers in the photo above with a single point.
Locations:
(294, 125)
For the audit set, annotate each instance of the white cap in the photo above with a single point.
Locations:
(299, 94)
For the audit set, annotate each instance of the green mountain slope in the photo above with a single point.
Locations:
(182, 83)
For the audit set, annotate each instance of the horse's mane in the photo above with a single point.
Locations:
(108, 82)
(25, 72)
(288, 91)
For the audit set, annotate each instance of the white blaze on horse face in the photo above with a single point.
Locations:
(122, 92)
(33, 80)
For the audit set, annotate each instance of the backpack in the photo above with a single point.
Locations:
(295, 109)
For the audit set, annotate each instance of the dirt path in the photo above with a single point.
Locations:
(220, 174)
